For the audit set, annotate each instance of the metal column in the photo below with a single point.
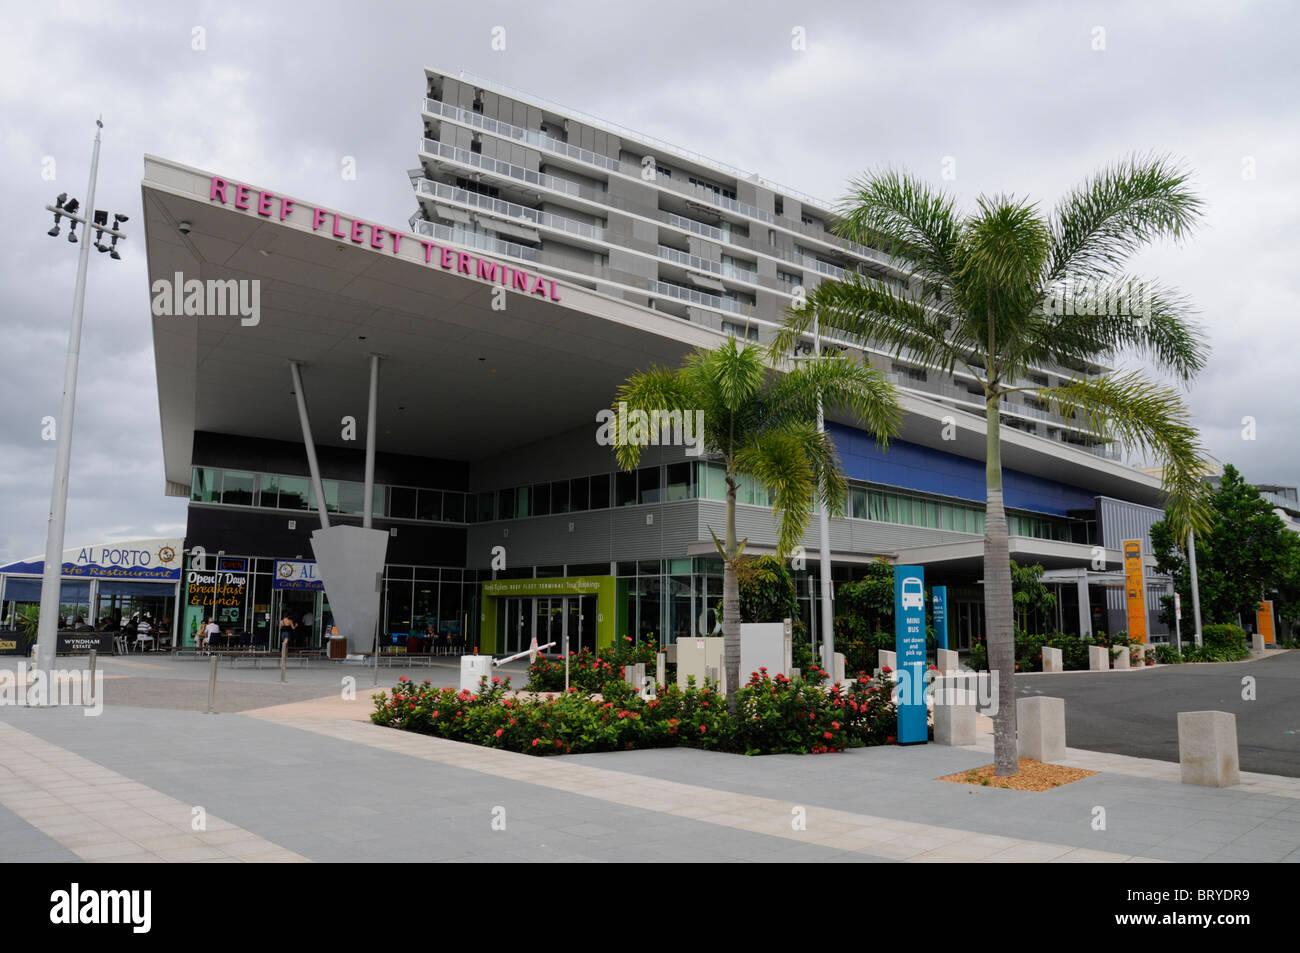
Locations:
(310, 445)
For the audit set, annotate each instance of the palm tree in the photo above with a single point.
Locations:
(762, 426)
(1004, 288)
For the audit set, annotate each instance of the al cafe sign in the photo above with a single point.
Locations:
(360, 232)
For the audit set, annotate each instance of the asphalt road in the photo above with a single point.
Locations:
(1136, 713)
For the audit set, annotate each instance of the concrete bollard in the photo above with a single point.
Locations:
(1122, 660)
(887, 659)
(954, 724)
(661, 668)
(1098, 658)
(1257, 643)
(1207, 748)
(212, 687)
(837, 668)
(795, 673)
(1040, 725)
(1053, 661)
(946, 659)
(1142, 650)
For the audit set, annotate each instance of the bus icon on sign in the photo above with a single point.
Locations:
(913, 594)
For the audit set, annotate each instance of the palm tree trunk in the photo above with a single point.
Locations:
(998, 601)
(731, 602)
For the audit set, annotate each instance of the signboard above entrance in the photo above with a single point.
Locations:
(296, 574)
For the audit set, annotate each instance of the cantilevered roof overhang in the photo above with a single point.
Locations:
(462, 378)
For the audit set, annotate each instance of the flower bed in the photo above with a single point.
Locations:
(773, 715)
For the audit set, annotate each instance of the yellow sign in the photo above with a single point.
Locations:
(1135, 587)
(1264, 621)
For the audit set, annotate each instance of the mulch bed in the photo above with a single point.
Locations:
(1033, 776)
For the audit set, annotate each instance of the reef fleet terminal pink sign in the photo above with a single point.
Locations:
(360, 232)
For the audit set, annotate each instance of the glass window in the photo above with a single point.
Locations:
(578, 494)
(679, 481)
(237, 488)
(402, 503)
(331, 489)
(205, 486)
(717, 488)
(428, 504)
(891, 507)
(904, 509)
(977, 518)
(522, 502)
(542, 499)
(947, 511)
(351, 497)
(294, 492)
(877, 502)
(453, 506)
(624, 488)
(505, 504)
(380, 499)
(560, 497)
(932, 514)
(858, 503)
(744, 489)
(651, 490)
(600, 491)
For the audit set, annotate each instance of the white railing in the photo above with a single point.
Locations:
(509, 209)
(717, 302)
(724, 269)
(699, 228)
(530, 136)
(486, 242)
(477, 160)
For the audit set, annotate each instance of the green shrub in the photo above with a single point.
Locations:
(773, 715)
(1167, 654)
(1225, 638)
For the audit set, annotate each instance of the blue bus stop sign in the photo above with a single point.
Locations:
(941, 616)
(909, 641)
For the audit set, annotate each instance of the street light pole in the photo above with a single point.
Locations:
(51, 582)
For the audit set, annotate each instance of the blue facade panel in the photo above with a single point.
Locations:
(913, 467)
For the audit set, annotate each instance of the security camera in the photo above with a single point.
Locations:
(184, 227)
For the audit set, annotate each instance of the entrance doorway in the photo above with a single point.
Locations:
(303, 607)
(548, 619)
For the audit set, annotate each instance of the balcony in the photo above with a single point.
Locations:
(703, 264)
(508, 209)
(531, 137)
(691, 296)
(474, 239)
(697, 228)
(702, 194)
(495, 166)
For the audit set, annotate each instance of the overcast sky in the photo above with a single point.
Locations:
(1017, 94)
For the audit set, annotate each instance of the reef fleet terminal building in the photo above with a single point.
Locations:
(551, 256)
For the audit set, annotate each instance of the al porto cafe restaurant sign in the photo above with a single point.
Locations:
(360, 232)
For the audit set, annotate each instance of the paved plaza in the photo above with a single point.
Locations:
(293, 772)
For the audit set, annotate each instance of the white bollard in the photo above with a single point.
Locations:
(887, 659)
(1257, 643)
(837, 668)
(661, 668)
(1040, 724)
(1098, 658)
(947, 661)
(1053, 661)
(1207, 748)
(1122, 660)
(954, 724)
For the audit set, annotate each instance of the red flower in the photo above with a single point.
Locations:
(402, 679)
(827, 735)
(703, 729)
(835, 725)
(886, 669)
(535, 740)
(500, 732)
(891, 739)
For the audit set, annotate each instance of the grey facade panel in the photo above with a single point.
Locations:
(1118, 520)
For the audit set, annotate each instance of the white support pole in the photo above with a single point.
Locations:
(368, 510)
(824, 523)
(52, 578)
(1196, 586)
(309, 444)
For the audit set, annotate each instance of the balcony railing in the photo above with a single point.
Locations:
(459, 236)
(724, 269)
(532, 137)
(477, 160)
(698, 228)
(509, 209)
(717, 302)
(706, 194)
